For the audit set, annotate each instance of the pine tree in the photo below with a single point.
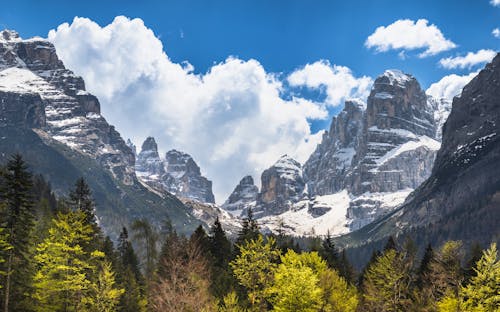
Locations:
(129, 276)
(345, 269)
(329, 252)
(18, 221)
(220, 246)
(148, 238)
(249, 230)
(81, 199)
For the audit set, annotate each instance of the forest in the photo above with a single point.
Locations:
(55, 257)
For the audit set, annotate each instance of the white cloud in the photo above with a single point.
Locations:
(496, 33)
(338, 81)
(469, 60)
(450, 86)
(409, 35)
(232, 119)
(495, 2)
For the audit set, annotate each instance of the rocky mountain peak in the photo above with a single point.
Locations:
(282, 185)
(243, 196)
(53, 100)
(149, 145)
(177, 173)
(9, 35)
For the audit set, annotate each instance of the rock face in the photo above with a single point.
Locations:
(461, 198)
(48, 117)
(177, 173)
(371, 158)
(282, 186)
(242, 197)
(53, 99)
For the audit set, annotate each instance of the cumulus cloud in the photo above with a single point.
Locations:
(338, 81)
(233, 119)
(496, 33)
(407, 35)
(469, 60)
(495, 2)
(450, 86)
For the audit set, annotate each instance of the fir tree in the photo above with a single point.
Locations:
(249, 230)
(148, 238)
(220, 246)
(329, 252)
(81, 199)
(18, 221)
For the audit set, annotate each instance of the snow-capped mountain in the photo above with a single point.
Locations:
(59, 107)
(177, 173)
(371, 159)
(47, 115)
(461, 198)
(243, 196)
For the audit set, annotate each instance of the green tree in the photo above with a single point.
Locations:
(338, 294)
(18, 221)
(296, 283)
(147, 237)
(483, 291)
(104, 296)
(254, 269)
(62, 281)
(80, 198)
(249, 229)
(386, 285)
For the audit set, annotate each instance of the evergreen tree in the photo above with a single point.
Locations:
(345, 269)
(81, 199)
(220, 246)
(129, 276)
(329, 252)
(474, 255)
(249, 230)
(220, 250)
(373, 259)
(148, 238)
(200, 237)
(18, 222)
(390, 244)
(425, 265)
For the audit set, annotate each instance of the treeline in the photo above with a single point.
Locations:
(54, 257)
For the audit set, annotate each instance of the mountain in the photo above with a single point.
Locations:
(243, 196)
(373, 156)
(177, 173)
(461, 198)
(49, 117)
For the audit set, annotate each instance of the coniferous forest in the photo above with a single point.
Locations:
(55, 257)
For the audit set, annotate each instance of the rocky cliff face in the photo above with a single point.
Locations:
(243, 196)
(282, 186)
(48, 117)
(460, 199)
(371, 158)
(177, 173)
(53, 99)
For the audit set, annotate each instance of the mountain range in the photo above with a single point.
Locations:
(394, 164)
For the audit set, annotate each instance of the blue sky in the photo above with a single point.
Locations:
(282, 36)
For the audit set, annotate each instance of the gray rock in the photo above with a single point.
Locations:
(177, 173)
(72, 115)
(282, 186)
(243, 196)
